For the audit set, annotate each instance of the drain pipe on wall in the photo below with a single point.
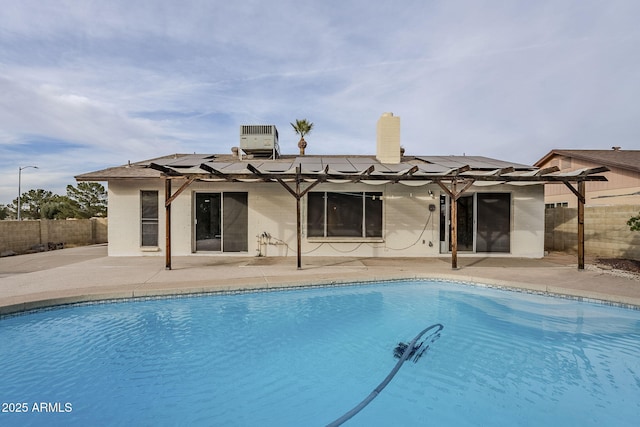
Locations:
(263, 240)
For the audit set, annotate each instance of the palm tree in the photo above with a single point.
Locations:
(302, 128)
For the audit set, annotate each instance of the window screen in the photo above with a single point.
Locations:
(149, 217)
(344, 214)
(315, 214)
(235, 222)
(373, 214)
(348, 214)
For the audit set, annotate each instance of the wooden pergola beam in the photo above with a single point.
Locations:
(453, 176)
(406, 174)
(164, 169)
(179, 191)
(546, 171)
(217, 173)
(234, 177)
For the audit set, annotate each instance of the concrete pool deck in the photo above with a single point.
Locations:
(87, 273)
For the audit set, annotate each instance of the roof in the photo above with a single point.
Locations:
(190, 163)
(335, 168)
(624, 159)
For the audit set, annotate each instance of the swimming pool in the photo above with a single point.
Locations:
(305, 357)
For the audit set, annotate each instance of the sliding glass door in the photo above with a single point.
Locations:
(484, 223)
(494, 222)
(221, 222)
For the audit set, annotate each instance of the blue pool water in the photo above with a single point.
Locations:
(305, 357)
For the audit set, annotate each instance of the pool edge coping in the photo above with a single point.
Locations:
(265, 286)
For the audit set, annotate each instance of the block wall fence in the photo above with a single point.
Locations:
(21, 236)
(606, 234)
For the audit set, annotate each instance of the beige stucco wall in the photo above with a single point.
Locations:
(606, 231)
(409, 225)
(527, 239)
(124, 215)
(21, 236)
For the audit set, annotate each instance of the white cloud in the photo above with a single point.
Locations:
(98, 83)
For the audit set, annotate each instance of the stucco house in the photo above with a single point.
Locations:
(257, 201)
(623, 178)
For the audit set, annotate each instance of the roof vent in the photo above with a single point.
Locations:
(260, 140)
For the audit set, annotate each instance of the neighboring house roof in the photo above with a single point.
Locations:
(624, 159)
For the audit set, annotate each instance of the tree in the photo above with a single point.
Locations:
(32, 201)
(90, 198)
(634, 223)
(59, 207)
(87, 201)
(302, 128)
(4, 212)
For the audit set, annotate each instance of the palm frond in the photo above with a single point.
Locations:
(302, 127)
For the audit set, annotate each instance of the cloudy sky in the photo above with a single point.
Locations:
(86, 84)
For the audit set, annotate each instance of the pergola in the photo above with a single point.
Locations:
(298, 178)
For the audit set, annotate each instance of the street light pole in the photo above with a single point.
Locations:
(19, 185)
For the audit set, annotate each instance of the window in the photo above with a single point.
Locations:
(357, 214)
(556, 205)
(149, 217)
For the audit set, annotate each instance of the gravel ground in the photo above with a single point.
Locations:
(619, 266)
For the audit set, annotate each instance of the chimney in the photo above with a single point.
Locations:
(388, 139)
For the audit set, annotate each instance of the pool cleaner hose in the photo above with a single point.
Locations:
(404, 352)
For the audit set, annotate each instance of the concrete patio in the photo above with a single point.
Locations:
(87, 273)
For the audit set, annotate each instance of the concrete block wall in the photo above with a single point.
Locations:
(100, 230)
(607, 234)
(21, 236)
(74, 231)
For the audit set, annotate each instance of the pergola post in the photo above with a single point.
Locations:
(454, 195)
(454, 227)
(167, 209)
(298, 220)
(581, 201)
(580, 194)
(168, 199)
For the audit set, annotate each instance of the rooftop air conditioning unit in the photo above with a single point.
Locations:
(260, 140)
